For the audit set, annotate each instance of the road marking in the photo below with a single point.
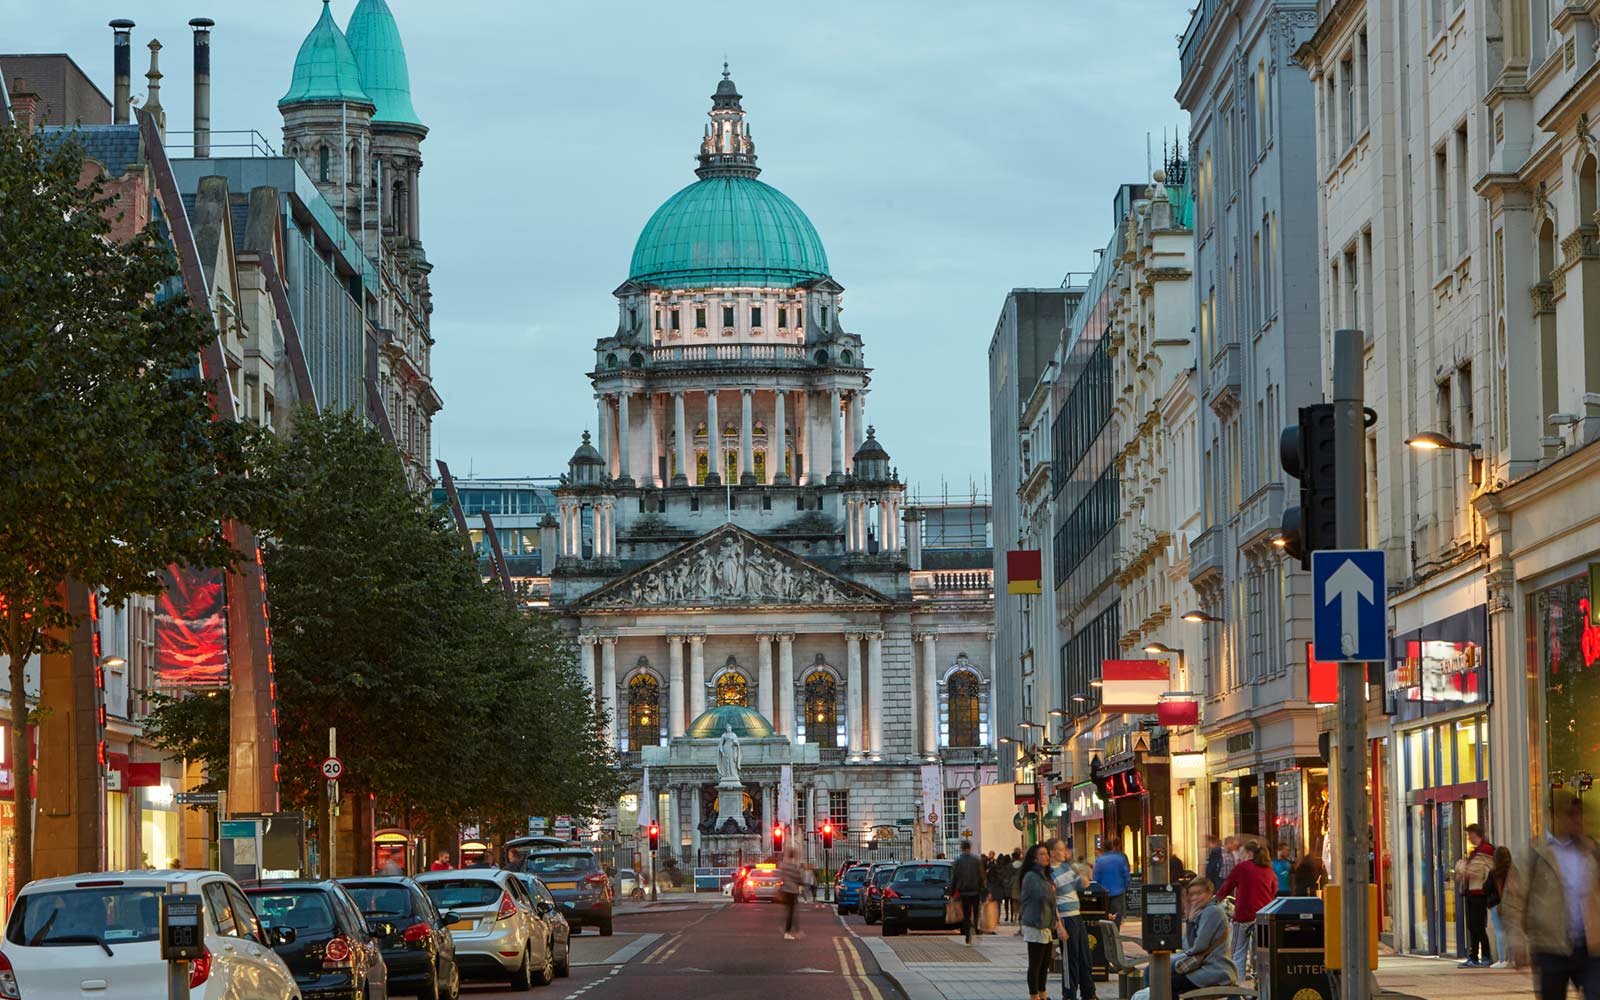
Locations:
(844, 967)
(627, 952)
(861, 970)
(662, 954)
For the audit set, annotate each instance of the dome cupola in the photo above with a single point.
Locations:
(380, 58)
(871, 460)
(325, 69)
(586, 465)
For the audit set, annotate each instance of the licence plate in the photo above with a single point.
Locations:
(462, 925)
(560, 885)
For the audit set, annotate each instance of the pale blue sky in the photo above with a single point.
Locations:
(946, 151)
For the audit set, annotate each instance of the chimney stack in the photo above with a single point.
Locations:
(23, 104)
(202, 85)
(122, 63)
(152, 99)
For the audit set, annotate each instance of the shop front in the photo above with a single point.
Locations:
(1086, 812)
(1563, 643)
(1437, 770)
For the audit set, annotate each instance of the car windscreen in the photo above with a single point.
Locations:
(547, 865)
(883, 876)
(381, 900)
(308, 911)
(110, 914)
(921, 873)
(459, 893)
(857, 874)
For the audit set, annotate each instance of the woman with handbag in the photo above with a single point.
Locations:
(1040, 924)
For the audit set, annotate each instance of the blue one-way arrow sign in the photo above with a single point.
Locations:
(1351, 623)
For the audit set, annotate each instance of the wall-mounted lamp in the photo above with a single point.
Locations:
(1162, 649)
(1434, 441)
(1199, 618)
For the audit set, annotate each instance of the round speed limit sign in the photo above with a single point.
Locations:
(332, 768)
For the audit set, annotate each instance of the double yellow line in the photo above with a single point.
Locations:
(665, 951)
(847, 955)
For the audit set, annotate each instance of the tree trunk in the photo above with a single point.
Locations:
(22, 768)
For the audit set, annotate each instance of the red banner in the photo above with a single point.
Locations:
(192, 630)
(1322, 680)
(1178, 712)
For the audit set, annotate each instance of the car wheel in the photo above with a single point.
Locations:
(432, 990)
(843, 909)
(546, 973)
(564, 966)
(869, 919)
(522, 979)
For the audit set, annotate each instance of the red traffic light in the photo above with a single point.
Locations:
(655, 836)
(777, 834)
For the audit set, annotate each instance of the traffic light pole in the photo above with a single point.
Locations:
(1353, 838)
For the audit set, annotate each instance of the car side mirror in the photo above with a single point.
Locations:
(449, 917)
(381, 928)
(282, 935)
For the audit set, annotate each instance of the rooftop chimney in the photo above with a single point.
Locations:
(23, 104)
(152, 100)
(202, 85)
(122, 63)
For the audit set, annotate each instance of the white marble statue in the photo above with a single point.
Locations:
(730, 757)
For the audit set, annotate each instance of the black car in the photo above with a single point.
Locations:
(333, 954)
(872, 892)
(560, 942)
(915, 898)
(575, 878)
(417, 948)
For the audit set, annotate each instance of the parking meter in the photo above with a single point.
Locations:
(1162, 929)
(182, 939)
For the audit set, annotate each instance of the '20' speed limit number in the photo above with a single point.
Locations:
(333, 768)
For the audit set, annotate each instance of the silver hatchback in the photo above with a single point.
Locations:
(494, 924)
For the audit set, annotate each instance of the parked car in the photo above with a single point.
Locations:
(629, 884)
(105, 928)
(419, 951)
(560, 930)
(847, 892)
(574, 876)
(516, 850)
(872, 891)
(915, 898)
(496, 931)
(335, 954)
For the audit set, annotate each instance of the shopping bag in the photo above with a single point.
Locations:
(952, 911)
(991, 917)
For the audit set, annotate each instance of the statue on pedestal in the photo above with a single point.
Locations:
(730, 757)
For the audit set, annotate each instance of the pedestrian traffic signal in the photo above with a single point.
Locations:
(655, 836)
(827, 835)
(777, 836)
(1307, 453)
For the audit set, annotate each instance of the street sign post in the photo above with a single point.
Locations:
(1349, 615)
(333, 768)
(196, 798)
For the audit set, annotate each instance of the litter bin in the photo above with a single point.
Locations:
(1092, 904)
(1290, 963)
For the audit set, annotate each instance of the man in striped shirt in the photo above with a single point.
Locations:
(1075, 946)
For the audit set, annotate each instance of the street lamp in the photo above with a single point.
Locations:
(1161, 649)
(1434, 441)
(1200, 618)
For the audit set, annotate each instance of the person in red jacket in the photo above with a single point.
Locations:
(1253, 884)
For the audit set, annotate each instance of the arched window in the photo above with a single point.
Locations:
(733, 689)
(962, 692)
(322, 163)
(822, 709)
(644, 712)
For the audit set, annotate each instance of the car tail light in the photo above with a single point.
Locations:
(508, 908)
(889, 893)
(415, 933)
(199, 972)
(336, 952)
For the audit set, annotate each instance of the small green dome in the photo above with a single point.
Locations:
(325, 69)
(746, 723)
(381, 59)
(724, 230)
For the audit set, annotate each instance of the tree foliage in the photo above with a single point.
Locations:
(114, 465)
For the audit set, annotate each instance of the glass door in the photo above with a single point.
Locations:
(1448, 848)
(1419, 837)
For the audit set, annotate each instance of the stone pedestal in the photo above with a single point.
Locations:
(730, 804)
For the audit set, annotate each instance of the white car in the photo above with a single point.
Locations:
(497, 930)
(99, 935)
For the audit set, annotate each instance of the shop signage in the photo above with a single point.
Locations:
(195, 798)
(1439, 667)
(1322, 679)
(1024, 791)
(1085, 803)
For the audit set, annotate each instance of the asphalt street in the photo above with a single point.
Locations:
(709, 951)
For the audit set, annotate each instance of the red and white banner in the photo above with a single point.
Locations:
(1178, 712)
(1132, 685)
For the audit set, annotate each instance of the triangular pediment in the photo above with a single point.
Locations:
(730, 567)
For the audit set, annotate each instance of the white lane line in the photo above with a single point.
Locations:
(627, 952)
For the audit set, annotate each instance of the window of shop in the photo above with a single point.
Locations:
(1563, 642)
(1444, 774)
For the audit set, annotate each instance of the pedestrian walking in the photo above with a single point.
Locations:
(1552, 907)
(966, 882)
(1114, 873)
(1252, 885)
(1230, 857)
(1283, 867)
(1472, 878)
(441, 862)
(1498, 877)
(1038, 918)
(1213, 859)
(1014, 886)
(1076, 973)
(792, 870)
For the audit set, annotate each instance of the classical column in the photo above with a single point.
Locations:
(413, 210)
(652, 447)
(858, 421)
(930, 693)
(606, 529)
(785, 719)
(780, 440)
(836, 462)
(681, 428)
(747, 434)
(855, 705)
(713, 441)
(608, 685)
(764, 674)
(875, 691)
(697, 676)
(804, 460)
(603, 430)
(622, 435)
(586, 662)
(675, 685)
(812, 818)
(883, 525)
(990, 637)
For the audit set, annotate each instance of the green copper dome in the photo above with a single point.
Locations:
(746, 723)
(728, 230)
(325, 69)
(381, 59)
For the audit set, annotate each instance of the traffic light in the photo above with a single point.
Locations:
(827, 836)
(655, 836)
(777, 836)
(1307, 452)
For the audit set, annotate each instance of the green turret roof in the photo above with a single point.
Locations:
(725, 230)
(325, 69)
(746, 723)
(381, 58)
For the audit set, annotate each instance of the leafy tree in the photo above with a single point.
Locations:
(115, 467)
(193, 727)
